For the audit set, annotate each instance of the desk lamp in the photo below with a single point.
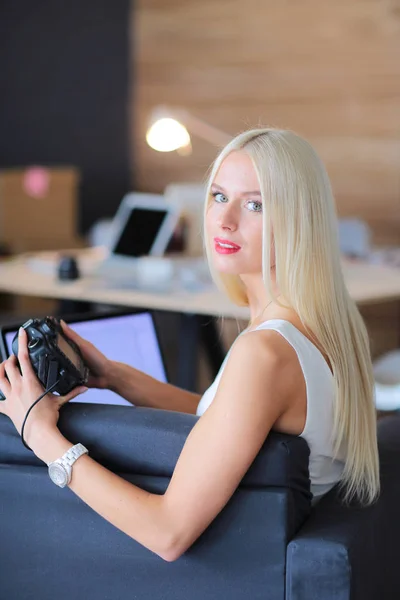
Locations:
(169, 131)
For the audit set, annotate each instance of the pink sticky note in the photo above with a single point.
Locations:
(36, 182)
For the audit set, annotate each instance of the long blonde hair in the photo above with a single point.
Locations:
(298, 201)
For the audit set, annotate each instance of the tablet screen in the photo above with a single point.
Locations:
(140, 232)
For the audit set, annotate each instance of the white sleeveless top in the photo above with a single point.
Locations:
(325, 471)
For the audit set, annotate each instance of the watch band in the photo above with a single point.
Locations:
(73, 454)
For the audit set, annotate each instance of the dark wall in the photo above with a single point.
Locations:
(64, 93)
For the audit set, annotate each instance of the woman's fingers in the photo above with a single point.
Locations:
(23, 354)
(75, 337)
(73, 394)
(86, 348)
(12, 371)
(5, 386)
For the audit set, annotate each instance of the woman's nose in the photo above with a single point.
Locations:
(227, 219)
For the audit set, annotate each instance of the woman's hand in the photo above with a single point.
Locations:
(98, 364)
(21, 388)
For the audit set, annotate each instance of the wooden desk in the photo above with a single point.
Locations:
(367, 284)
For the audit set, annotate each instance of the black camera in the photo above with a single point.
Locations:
(55, 358)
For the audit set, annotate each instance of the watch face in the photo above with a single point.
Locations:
(58, 474)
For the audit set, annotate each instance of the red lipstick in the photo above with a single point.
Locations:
(223, 246)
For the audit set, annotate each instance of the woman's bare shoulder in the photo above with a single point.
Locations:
(269, 342)
(278, 356)
(268, 352)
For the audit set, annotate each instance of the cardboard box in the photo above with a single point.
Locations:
(39, 208)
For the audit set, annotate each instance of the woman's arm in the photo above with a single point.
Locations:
(254, 391)
(130, 383)
(143, 390)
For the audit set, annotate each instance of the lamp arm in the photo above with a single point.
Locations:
(202, 129)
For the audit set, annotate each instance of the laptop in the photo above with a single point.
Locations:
(129, 338)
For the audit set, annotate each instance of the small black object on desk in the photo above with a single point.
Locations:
(68, 269)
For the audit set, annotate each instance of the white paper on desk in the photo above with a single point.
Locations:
(183, 275)
(47, 263)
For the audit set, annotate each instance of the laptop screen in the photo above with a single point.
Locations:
(131, 339)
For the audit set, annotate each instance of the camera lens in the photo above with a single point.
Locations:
(33, 343)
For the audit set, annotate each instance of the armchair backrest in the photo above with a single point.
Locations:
(64, 549)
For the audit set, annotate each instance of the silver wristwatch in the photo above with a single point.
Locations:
(60, 470)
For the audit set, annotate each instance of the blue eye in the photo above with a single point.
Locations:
(257, 206)
(219, 197)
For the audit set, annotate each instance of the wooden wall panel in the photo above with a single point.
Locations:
(330, 71)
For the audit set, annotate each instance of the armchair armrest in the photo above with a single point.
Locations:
(347, 552)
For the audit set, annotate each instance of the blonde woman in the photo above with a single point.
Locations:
(302, 366)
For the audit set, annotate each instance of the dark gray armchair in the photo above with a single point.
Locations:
(267, 543)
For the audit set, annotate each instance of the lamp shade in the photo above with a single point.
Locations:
(167, 134)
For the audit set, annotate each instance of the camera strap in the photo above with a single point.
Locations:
(52, 373)
(46, 391)
(42, 368)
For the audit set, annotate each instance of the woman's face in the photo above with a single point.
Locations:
(234, 217)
